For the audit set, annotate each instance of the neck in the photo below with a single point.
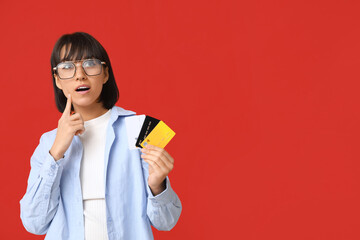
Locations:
(88, 113)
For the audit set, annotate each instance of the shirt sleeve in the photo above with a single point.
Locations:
(39, 204)
(163, 209)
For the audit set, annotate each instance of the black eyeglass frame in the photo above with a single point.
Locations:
(82, 65)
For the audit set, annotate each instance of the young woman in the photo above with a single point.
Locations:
(85, 182)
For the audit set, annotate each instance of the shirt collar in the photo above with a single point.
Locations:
(118, 111)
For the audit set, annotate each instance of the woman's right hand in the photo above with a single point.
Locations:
(68, 126)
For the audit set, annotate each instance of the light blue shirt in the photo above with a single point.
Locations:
(52, 204)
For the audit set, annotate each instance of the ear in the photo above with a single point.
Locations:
(57, 81)
(106, 73)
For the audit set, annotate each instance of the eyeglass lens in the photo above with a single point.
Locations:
(92, 67)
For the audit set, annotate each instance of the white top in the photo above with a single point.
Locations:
(92, 163)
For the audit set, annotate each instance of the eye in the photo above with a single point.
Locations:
(90, 63)
(66, 66)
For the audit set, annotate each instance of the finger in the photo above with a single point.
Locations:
(68, 106)
(160, 150)
(164, 167)
(154, 166)
(154, 149)
(76, 122)
(79, 129)
(160, 156)
(76, 116)
(79, 132)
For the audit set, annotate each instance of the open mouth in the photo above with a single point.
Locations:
(82, 89)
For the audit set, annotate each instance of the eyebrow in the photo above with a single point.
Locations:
(80, 60)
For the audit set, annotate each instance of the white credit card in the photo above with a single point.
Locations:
(133, 127)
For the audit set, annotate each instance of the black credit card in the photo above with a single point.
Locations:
(149, 124)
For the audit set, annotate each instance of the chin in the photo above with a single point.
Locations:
(83, 103)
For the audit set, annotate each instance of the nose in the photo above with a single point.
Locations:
(80, 73)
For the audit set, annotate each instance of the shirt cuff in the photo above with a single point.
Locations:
(166, 196)
(50, 167)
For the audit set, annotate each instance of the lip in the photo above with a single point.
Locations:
(82, 92)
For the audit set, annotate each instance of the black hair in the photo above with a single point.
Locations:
(78, 46)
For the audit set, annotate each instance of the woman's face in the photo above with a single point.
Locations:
(85, 90)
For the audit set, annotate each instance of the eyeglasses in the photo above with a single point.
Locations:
(67, 70)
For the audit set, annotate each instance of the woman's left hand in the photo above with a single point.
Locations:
(160, 165)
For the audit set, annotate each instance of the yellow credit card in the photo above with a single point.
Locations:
(160, 136)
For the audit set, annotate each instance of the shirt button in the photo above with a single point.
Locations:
(46, 196)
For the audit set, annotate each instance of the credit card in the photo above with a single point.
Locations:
(149, 124)
(133, 127)
(160, 136)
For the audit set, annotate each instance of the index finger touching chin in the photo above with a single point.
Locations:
(68, 105)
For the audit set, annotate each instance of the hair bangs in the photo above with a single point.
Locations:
(78, 51)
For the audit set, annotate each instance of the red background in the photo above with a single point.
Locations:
(263, 96)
